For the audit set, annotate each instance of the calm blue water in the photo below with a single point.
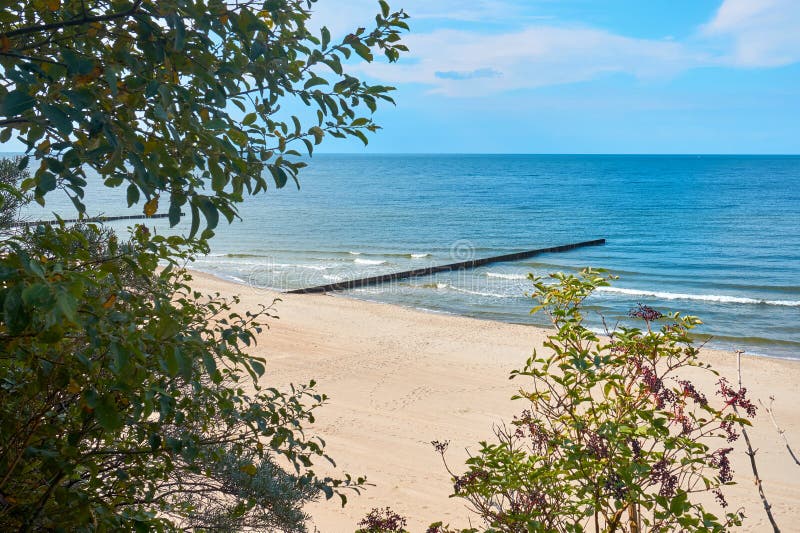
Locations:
(713, 236)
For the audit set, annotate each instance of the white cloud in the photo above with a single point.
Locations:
(761, 33)
(468, 62)
(465, 63)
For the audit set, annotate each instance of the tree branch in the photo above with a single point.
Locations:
(74, 22)
(781, 431)
(751, 453)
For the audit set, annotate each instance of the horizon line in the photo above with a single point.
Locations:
(699, 154)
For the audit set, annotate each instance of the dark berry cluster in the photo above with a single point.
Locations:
(655, 386)
(636, 448)
(616, 486)
(690, 391)
(644, 312)
(528, 427)
(527, 503)
(736, 398)
(719, 459)
(729, 427)
(660, 473)
(597, 445)
(439, 446)
(720, 497)
(686, 423)
(468, 479)
(382, 520)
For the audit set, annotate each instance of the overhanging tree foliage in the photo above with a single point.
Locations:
(179, 98)
(127, 400)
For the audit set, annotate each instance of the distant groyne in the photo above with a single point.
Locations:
(85, 220)
(462, 265)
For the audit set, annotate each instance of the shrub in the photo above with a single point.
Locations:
(382, 521)
(614, 436)
(124, 394)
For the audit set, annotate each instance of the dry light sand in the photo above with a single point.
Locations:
(398, 378)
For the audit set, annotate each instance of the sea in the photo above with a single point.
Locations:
(713, 236)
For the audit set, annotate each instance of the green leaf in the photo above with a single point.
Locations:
(258, 367)
(326, 37)
(107, 415)
(210, 364)
(318, 134)
(314, 81)
(210, 212)
(68, 306)
(249, 469)
(37, 295)
(363, 51)
(132, 194)
(16, 103)
(155, 442)
(216, 124)
(249, 119)
(279, 175)
(16, 318)
(57, 118)
(46, 182)
(174, 214)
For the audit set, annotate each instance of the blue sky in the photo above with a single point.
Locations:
(587, 76)
(584, 76)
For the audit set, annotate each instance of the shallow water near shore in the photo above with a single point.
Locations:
(712, 236)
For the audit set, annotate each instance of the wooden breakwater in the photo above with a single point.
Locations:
(463, 265)
(86, 220)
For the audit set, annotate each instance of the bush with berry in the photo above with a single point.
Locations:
(614, 435)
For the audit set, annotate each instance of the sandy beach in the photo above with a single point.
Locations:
(398, 378)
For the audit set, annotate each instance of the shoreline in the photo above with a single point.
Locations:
(398, 378)
(338, 294)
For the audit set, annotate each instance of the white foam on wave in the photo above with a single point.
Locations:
(419, 256)
(487, 294)
(369, 262)
(236, 263)
(354, 253)
(718, 298)
(236, 279)
(506, 276)
(303, 266)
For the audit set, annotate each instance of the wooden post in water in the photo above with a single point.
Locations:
(463, 265)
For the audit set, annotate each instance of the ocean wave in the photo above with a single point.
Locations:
(718, 298)
(216, 262)
(418, 256)
(369, 261)
(243, 255)
(307, 267)
(506, 276)
(354, 253)
(482, 293)
(448, 286)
